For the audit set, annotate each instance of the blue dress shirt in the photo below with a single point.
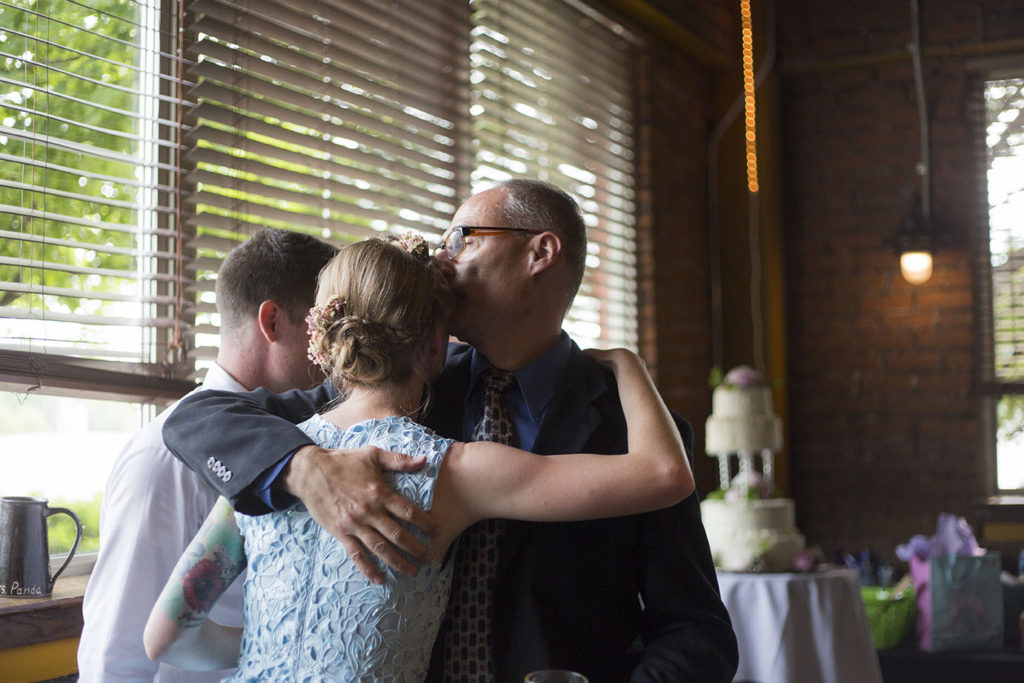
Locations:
(527, 399)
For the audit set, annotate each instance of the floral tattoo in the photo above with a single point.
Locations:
(202, 584)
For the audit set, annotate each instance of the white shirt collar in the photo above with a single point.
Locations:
(218, 378)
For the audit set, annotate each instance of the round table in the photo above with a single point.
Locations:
(800, 628)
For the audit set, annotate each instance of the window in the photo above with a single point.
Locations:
(349, 122)
(342, 124)
(134, 156)
(62, 448)
(1004, 339)
(85, 206)
(552, 99)
(86, 244)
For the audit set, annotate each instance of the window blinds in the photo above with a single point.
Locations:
(86, 267)
(552, 99)
(354, 121)
(340, 120)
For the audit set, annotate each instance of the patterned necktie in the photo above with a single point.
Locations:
(467, 653)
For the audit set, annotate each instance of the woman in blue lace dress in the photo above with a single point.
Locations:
(379, 333)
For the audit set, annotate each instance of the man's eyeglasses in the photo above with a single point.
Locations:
(454, 241)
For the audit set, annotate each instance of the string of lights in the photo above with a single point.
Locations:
(749, 101)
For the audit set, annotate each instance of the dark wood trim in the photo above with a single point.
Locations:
(661, 25)
(25, 372)
(29, 621)
(907, 664)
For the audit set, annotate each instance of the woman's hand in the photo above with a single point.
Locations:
(617, 359)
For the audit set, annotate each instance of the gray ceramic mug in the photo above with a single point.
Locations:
(24, 546)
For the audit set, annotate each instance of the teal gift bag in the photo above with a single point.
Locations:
(959, 602)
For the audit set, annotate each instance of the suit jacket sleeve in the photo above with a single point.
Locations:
(687, 632)
(230, 439)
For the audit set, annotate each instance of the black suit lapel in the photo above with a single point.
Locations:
(570, 423)
(572, 417)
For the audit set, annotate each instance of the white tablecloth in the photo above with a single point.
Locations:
(800, 628)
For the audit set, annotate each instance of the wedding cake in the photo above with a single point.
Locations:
(748, 529)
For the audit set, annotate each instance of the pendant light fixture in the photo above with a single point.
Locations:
(915, 240)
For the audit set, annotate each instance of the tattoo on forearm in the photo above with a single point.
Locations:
(213, 560)
(202, 583)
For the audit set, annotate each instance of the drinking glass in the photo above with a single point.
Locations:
(554, 676)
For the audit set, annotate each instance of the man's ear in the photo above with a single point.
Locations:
(545, 249)
(435, 350)
(269, 318)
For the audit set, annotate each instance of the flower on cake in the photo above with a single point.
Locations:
(743, 376)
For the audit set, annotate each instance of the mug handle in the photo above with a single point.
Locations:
(74, 546)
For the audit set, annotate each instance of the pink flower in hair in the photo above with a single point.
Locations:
(414, 244)
(318, 323)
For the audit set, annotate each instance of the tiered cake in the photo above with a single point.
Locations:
(747, 528)
(752, 535)
(742, 419)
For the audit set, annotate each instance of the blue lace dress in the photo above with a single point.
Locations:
(309, 614)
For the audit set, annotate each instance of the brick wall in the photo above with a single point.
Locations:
(675, 299)
(884, 429)
(674, 292)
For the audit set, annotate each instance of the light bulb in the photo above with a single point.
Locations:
(916, 266)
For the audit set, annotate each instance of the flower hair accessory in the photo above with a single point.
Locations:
(414, 244)
(318, 322)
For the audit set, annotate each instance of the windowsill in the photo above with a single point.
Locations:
(1001, 501)
(30, 621)
(996, 510)
(1000, 527)
(80, 565)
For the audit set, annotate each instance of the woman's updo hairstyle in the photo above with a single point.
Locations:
(377, 304)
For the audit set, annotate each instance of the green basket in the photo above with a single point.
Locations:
(891, 615)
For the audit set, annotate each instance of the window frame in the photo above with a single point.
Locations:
(148, 383)
(991, 390)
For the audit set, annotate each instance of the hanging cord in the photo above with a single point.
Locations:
(29, 226)
(923, 166)
(756, 314)
(176, 347)
(46, 187)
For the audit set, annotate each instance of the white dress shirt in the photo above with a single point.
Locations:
(153, 505)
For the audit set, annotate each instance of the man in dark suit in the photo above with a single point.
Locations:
(631, 598)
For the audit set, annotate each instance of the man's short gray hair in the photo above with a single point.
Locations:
(542, 206)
